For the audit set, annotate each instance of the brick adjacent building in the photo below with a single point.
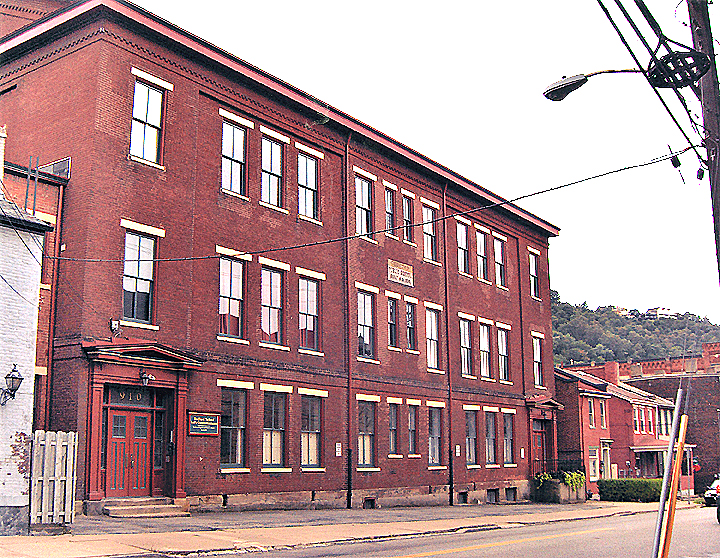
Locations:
(258, 300)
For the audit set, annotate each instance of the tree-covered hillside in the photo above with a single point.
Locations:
(584, 335)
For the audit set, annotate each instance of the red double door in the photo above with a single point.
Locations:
(129, 453)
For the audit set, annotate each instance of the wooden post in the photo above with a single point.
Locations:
(672, 501)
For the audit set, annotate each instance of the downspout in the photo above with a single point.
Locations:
(451, 461)
(522, 362)
(346, 325)
(53, 307)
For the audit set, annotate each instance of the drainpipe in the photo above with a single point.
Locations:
(346, 286)
(451, 454)
(3, 137)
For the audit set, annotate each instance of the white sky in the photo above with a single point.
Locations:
(462, 82)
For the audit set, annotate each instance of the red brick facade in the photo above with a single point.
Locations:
(70, 84)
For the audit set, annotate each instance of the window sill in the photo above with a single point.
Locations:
(484, 281)
(506, 382)
(414, 456)
(229, 339)
(437, 467)
(146, 162)
(234, 470)
(541, 387)
(462, 273)
(310, 469)
(410, 243)
(311, 352)
(368, 469)
(140, 325)
(492, 466)
(310, 219)
(473, 466)
(395, 456)
(536, 298)
(503, 288)
(469, 376)
(412, 352)
(368, 239)
(391, 235)
(510, 465)
(273, 346)
(433, 262)
(396, 349)
(435, 371)
(488, 379)
(368, 360)
(274, 207)
(276, 470)
(234, 194)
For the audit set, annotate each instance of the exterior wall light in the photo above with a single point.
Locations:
(13, 381)
(145, 377)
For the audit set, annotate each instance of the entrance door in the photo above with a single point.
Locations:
(539, 446)
(128, 453)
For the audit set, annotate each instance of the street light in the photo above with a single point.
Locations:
(561, 89)
(13, 381)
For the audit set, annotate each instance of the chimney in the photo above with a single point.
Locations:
(3, 137)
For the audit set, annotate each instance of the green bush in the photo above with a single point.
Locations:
(630, 490)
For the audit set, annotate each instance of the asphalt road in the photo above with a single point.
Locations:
(696, 535)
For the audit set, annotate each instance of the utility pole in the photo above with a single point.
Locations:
(710, 98)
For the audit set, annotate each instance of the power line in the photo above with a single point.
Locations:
(18, 293)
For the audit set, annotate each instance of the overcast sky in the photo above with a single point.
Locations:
(462, 83)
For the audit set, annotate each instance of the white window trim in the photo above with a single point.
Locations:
(230, 339)
(471, 407)
(273, 134)
(276, 470)
(391, 294)
(140, 325)
(276, 388)
(485, 321)
(368, 360)
(368, 288)
(146, 162)
(429, 203)
(395, 400)
(436, 404)
(389, 185)
(274, 207)
(152, 79)
(311, 352)
(491, 409)
(225, 469)
(499, 236)
(462, 219)
(481, 228)
(411, 299)
(367, 397)
(310, 150)
(414, 402)
(310, 273)
(237, 384)
(432, 305)
(503, 326)
(273, 263)
(364, 173)
(537, 334)
(313, 392)
(508, 411)
(139, 227)
(533, 250)
(465, 316)
(275, 346)
(233, 253)
(407, 193)
(235, 118)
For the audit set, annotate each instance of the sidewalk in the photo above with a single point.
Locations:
(100, 536)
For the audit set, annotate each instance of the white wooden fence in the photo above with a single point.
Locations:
(54, 461)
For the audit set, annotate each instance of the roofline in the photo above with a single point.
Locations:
(216, 54)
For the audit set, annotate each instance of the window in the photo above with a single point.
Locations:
(429, 236)
(232, 426)
(390, 210)
(465, 348)
(392, 323)
(490, 455)
(309, 321)
(233, 158)
(307, 186)
(434, 440)
(146, 131)
(481, 239)
(231, 297)
(393, 428)
(410, 325)
(366, 325)
(310, 429)
(503, 355)
(271, 191)
(508, 446)
(412, 430)
(534, 280)
(594, 459)
(603, 414)
(363, 206)
(463, 251)
(537, 361)
(407, 205)
(484, 350)
(272, 316)
(649, 421)
(138, 277)
(366, 434)
(433, 342)
(636, 420)
(499, 246)
(471, 437)
(642, 420)
(274, 429)
(591, 412)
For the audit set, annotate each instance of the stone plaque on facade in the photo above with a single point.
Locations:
(400, 273)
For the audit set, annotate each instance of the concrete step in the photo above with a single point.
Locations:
(142, 507)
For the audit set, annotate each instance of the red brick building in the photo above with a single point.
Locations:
(613, 429)
(257, 299)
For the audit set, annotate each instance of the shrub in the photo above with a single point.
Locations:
(630, 490)
(574, 479)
